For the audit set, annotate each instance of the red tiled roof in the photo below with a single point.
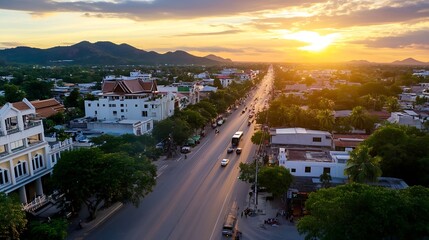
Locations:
(129, 86)
(48, 107)
(20, 106)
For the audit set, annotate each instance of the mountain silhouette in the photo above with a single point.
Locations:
(86, 53)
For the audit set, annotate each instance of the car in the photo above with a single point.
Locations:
(238, 150)
(230, 150)
(185, 149)
(224, 162)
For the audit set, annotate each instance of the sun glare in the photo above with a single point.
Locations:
(316, 42)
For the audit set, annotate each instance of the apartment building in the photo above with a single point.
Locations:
(26, 158)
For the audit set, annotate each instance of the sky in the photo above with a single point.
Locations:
(242, 30)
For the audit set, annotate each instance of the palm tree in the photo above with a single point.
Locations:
(358, 117)
(326, 119)
(362, 167)
(325, 179)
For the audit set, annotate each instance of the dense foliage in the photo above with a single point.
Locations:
(92, 177)
(12, 218)
(357, 211)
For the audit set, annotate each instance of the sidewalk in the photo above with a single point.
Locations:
(253, 227)
(77, 233)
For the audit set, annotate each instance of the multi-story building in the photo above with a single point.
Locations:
(26, 158)
(130, 99)
(300, 137)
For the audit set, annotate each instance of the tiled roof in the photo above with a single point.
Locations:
(129, 86)
(48, 107)
(20, 106)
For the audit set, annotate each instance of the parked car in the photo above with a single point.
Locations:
(238, 150)
(230, 150)
(185, 149)
(224, 162)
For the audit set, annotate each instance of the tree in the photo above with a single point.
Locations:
(326, 119)
(193, 118)
(362, 167)
(276, 179)
(56, 229)
(217, 83)
(12, 217)
(90, 177)
(358, 117)
(73, 99)
(247, 171)
(347, 212)
(259, 137)
(36, 89)
(392, 104)
(13, 93)
(325, 179)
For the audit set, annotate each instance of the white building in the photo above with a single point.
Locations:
(130, 99)
(26, 158)
(300, 137)
(120, 127)
(303, 162)
(407, 117)
(133, 75)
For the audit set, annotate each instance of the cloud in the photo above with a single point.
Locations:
(345, 14)
(10, 44)
(417, 39)
(157, 9)
(208, 33)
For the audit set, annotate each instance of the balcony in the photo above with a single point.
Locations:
(32, 124)
(12, 131)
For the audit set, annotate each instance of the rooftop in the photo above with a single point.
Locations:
(308, 155)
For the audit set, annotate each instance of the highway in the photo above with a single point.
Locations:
(193, 195)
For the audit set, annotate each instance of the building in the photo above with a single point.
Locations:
(134, 99)
(26, 157)
(284, 137)
(48, 107)
(303, 162)
(407, 118)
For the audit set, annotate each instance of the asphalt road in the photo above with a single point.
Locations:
(193, 195)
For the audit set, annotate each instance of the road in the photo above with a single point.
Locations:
(193, 195)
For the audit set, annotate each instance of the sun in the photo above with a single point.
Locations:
(316, 42)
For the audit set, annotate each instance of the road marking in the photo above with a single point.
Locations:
(218, 217)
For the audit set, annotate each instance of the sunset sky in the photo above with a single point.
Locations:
(243, 30)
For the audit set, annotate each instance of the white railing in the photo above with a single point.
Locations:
(36, 203)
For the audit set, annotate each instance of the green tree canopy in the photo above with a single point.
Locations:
(359, 211)
(13, 93)
(88, 176)
(362, 167)
(12, 218)
(56, 229)
(259, 137)
(276, 179)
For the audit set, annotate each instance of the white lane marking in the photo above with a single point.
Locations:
(159, 170)
(218, 217)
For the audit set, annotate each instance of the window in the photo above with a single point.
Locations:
(317, 139)
(293, 170)
(144, 113)
(327, 170)
(145, 106)
(136, 105)
(37, 162)
(104, 105)
(122, 105)
(4, 176)
(16, 144)
(122, 110)
(20, 169)
(95, 112)
(34, 139)
(148, 126)
(89, 104)
(98, 105)
(3, 148)
(307, 169)
(115, 113)
(112, 105)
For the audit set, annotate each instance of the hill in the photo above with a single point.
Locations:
(86, 53)
(409, 61)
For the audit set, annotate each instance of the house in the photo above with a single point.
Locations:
(348, 142)
(26, 157)
(406, 117)
(307, 162)
(48, 107)
(284, 137)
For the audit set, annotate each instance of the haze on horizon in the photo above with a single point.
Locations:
(243, 30)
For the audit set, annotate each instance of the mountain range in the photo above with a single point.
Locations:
(109, 53)
(405, 62)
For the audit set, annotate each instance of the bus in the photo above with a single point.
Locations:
(236, 138)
